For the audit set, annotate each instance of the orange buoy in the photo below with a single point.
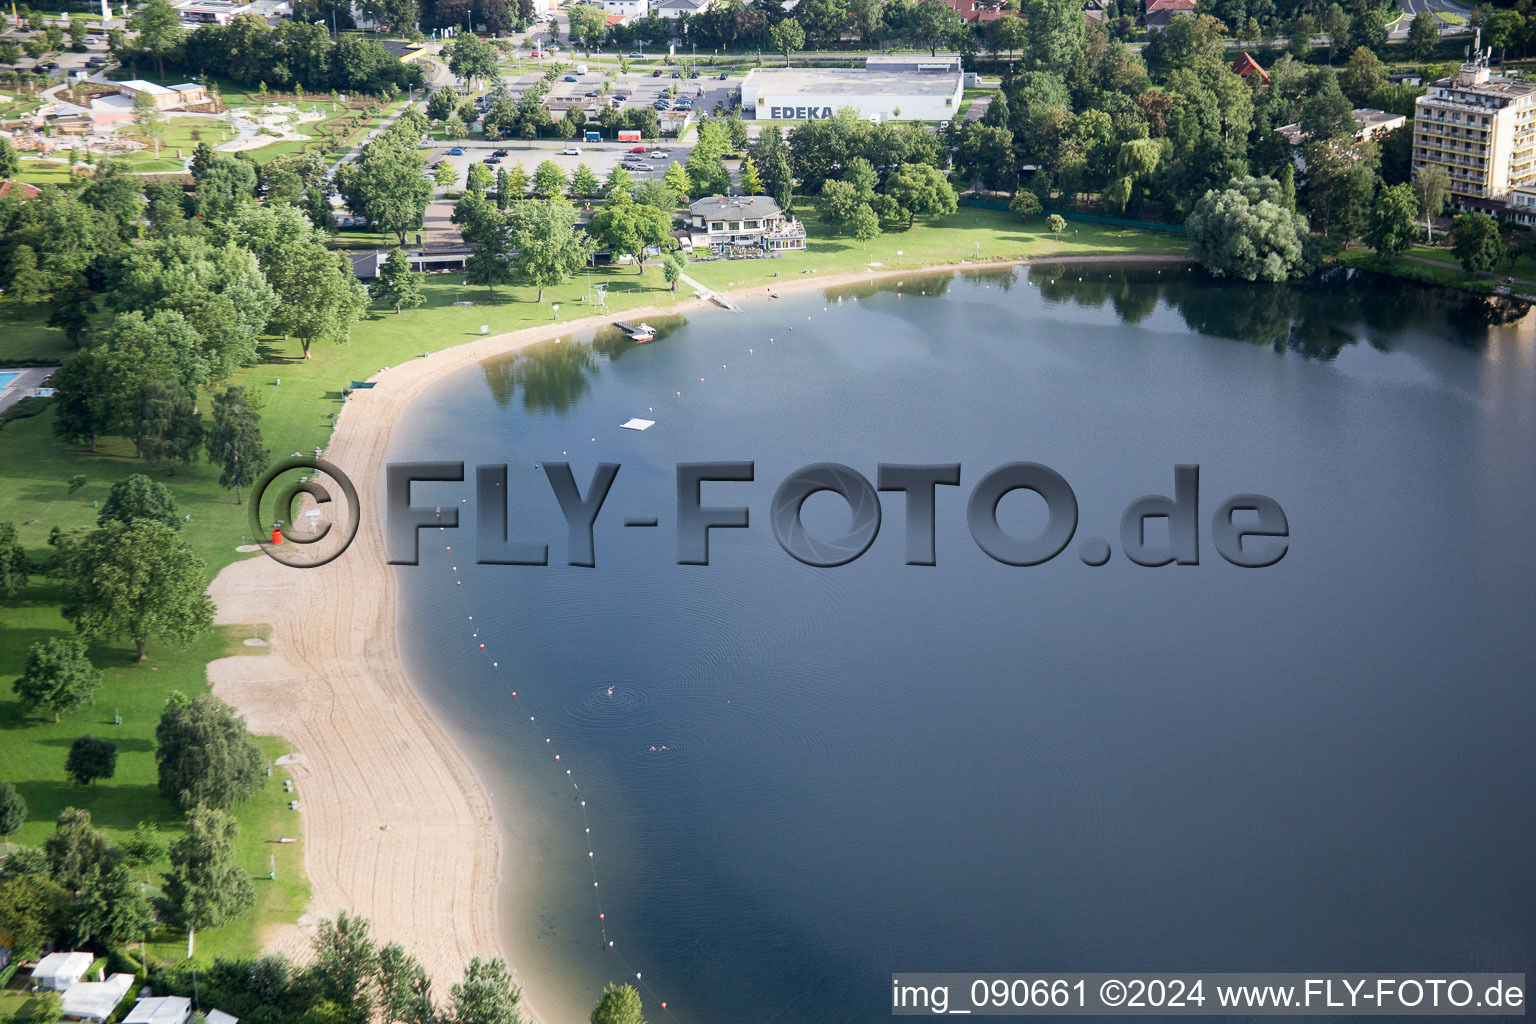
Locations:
(277, 535)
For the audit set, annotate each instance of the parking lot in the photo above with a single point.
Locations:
(601, 157)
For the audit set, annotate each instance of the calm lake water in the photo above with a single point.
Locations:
(1325, 765)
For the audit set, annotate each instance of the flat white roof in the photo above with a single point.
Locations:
(160, 1010)
(95, 1000)
(139, 85)
(852, 82)
(220, 1017)
(63, 965)
(186, 87)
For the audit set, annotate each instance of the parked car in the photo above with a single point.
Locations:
(659, 154)
(570, 151)
(693, 74)
(456, 151)
(724, 75)
(502, 152)
(571, 78)
(640, 165)
(50, 66)
(636, 53)
(591, 93)
(677, 74)
(491, 160)
(638, 149)
(656, 73)
(683, 105)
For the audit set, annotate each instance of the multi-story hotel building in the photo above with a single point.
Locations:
(1481, 128)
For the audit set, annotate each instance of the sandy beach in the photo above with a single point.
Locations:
(397, 826)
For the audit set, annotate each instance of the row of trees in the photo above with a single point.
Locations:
(297, 53)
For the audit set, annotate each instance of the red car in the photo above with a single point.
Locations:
(638, 149)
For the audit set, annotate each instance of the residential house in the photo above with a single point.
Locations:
(678, 8)
(978, 12)
(19, 188)
(1160, 12)
(1249, 70)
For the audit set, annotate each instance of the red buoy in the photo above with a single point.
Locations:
(602, 917)
(277, 535)
(482, 647)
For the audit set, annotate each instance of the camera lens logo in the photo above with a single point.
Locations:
(305, 527)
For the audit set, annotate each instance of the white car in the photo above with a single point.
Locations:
(640, 165)
(658, 154)
(570, 151)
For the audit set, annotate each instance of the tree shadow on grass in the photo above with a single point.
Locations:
(111, 806)
(136, 744)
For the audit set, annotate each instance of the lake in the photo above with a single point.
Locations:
(798, 780)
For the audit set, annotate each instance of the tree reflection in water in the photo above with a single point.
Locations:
(1315, 318)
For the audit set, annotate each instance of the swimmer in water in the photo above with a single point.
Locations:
(610, 691)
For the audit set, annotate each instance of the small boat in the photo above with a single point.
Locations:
(636, 332)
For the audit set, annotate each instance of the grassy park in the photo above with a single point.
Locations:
(34, 749)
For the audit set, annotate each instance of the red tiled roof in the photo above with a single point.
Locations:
(1246, 65)
(27, 191)
(976, 11)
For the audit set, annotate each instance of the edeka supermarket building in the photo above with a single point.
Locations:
(809, 94)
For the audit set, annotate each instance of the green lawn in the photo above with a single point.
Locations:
(1523, 267)
(967, 234)
(1444, 272)
(33, 749)
(25, 340)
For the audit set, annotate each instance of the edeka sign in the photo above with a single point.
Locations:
(799, 113)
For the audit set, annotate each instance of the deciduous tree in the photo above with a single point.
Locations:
(90, 760)
(59, 677)
(204, 754)
(1245, 231)
(486, 995)
(1476, 241)
(1392, 220)
(138, 497)
(137, 581)
(397, 284)
(13, 811)
(205, 887)
(548, 246)
(234, 440)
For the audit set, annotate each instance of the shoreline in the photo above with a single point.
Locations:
(398, 823)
